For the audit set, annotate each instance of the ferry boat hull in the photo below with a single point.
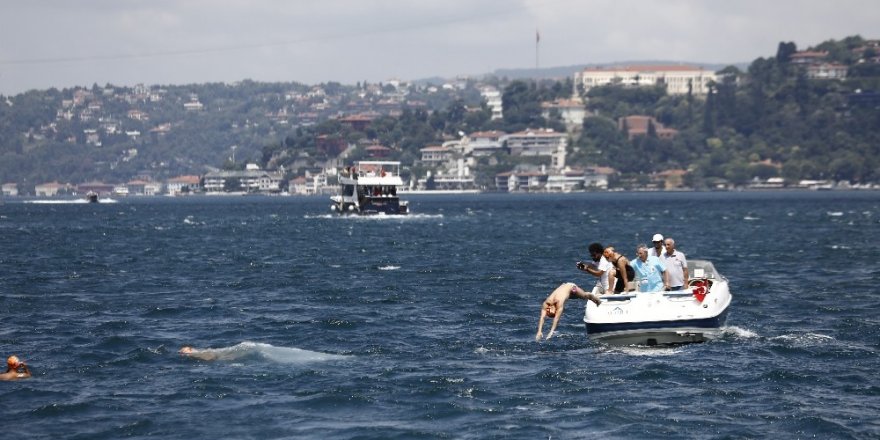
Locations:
(696, 314)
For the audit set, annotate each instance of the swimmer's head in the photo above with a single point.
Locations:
(186, 350)
(13, 362)
(550, 309)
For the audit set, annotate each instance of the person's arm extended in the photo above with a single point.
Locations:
(593, 270)
(541, 324)
(555, 320)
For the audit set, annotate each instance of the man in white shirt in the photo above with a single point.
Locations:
(676, 266)
(599, 268)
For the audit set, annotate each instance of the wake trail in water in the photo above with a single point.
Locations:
(67, 202)
(376, 217)
(266, 352)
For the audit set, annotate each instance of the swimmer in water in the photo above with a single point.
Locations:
(15, 369)
(555, 303)
(205, 355)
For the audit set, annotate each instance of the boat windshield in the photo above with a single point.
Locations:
(702, 269)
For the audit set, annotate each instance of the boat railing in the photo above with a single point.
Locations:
(372, 169)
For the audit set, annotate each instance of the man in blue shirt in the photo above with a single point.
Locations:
(650, 271)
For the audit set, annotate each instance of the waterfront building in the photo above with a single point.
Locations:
(51, 189)
(10, 189)
(183, 184)
(252, 181)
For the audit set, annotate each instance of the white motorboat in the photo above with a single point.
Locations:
(370, 187)
(695, 314)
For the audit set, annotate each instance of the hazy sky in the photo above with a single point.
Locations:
(64, 43)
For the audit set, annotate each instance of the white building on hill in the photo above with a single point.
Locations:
(676, 77)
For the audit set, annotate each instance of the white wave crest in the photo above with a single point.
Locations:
(739, 332)
(389, 267)
(267, 352)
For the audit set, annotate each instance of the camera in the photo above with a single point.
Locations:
(580, 265)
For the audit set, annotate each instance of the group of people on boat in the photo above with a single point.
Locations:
(655, 269)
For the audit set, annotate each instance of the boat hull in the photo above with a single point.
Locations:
(658, 332)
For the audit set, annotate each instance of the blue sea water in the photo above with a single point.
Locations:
(423, 326)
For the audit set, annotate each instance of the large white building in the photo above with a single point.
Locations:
(676, 78)
(245, 181)
(483, 143)
(539, 142)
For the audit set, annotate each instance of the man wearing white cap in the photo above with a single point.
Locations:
(658, 250)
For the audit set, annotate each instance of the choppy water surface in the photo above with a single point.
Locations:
(423, 326)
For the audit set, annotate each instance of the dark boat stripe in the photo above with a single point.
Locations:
(713, 322)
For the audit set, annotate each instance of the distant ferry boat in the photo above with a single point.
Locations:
(370, 187)
(92, 197)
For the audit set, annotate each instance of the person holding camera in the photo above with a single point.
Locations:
(15, 369)
(599, 268)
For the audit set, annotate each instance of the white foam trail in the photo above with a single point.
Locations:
(376, 217)
(642, 350)
(389, 267)
(281, 355)
(67, 202)
(805, 339)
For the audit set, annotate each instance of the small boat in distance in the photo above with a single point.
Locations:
(92, 197)
(695, 314)
(370, 187)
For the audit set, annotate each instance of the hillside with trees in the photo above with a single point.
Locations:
(769, 120)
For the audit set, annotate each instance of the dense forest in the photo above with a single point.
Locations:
(769, 120)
